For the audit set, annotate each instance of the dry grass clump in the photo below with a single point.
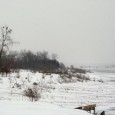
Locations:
(33, 93)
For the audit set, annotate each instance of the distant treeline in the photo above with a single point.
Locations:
(39, 61)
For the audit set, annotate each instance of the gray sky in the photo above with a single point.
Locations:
(79, 31)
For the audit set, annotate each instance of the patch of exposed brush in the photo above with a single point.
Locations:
(33, 93)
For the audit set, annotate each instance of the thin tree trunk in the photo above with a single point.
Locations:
(1, 55)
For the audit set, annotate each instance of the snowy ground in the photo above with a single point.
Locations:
(35, 108)
(62, 95)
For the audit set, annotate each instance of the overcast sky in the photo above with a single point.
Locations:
(79, 31)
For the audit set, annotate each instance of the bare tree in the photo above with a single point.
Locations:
(5, 40)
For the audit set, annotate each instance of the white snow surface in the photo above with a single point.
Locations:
(35, 108)
(57, 98)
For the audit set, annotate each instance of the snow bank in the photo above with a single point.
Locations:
(35, 108)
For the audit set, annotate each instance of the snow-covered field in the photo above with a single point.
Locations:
(36, 108)
(57, 97)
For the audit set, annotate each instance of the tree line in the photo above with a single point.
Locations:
(39, 61)
(25, 59)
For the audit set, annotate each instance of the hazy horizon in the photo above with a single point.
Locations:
(78, 31)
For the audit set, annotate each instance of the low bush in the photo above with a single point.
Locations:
(33, 93)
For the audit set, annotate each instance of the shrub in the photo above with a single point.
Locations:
(33, 93)
(83, 77)
(100, 80)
